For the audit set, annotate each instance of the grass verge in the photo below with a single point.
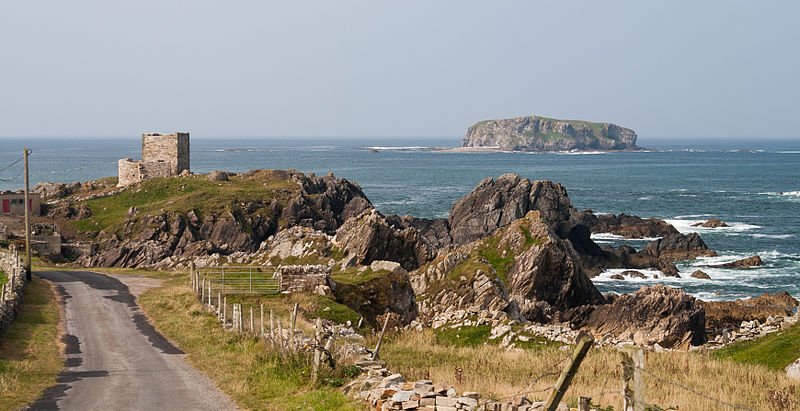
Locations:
(498, 373)
(252, 376)
(775, 351)
(30, 358)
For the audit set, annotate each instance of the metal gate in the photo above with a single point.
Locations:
(241, 280)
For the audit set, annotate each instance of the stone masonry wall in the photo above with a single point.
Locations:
(128, 172)
(170, 148)
(11, 297)
(300, 278)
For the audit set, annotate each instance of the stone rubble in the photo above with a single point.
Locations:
(750, 330)
(382, 390)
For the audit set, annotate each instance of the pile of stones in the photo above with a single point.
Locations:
(750, 330)
(384, 391)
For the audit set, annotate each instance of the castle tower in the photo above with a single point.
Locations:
(168, 148)
(163, 155)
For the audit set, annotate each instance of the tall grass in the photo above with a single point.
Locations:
(498, 373)
(30, 357)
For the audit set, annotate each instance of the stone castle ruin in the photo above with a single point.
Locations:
(163, 155)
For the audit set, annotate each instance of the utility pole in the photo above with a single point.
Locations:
(27, 222)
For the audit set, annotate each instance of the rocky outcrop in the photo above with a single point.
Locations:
(678, 247)
(494, 204)
(524, 269)
(748, 262)
(50, 191)
(730, 314)
(700, 274)
(320, 203)
(711, 223)
(630, 226)
(372, 298)
(370, 236)
(535, 133)
(653, 315)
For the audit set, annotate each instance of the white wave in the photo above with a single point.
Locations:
(693, 216)
(399, 148)
(790, 193)
(645, 198)
(580, 153)
(788, 152)
(687, 226)
(651, 275)
(606, 236)
(774, 236)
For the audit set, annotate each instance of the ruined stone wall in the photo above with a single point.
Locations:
(11, 295)
(303, 278)
(169, 148)
(128, 172)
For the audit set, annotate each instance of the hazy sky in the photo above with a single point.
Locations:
(406, 68)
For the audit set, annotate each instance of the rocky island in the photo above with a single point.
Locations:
(534, 133)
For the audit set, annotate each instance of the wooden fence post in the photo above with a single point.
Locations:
(252, 329)
(271, 330)
(224, 313)
(202, 291)
(584, 403)
(280, 335)
(317, 342)
(375, 353)
(209, 293)
(262, 320)
(633, 382)
(294, 321)
(219, 304)
(585, 342)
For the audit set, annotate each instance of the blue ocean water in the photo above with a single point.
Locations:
(753, 186)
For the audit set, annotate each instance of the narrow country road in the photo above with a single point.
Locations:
(115, 358)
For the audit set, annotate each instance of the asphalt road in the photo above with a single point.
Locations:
(115, 358)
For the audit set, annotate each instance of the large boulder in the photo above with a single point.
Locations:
(678, 247)
(497, 203)
(370, 237)
(630, 226)
(653, 315)
(748, 262)
(52, 191)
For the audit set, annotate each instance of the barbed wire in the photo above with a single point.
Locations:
(549, 373)
(683, 387)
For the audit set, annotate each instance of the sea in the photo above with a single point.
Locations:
(754, 186)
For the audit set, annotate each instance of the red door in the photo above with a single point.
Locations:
(6, 206)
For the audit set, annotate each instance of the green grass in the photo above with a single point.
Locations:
(30, 359)
(184, 194)
(776, 350)
(3, 277)
(472, 336)
(353, 276)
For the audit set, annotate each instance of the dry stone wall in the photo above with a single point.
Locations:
(11, 297)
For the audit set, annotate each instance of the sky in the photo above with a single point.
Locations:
(677, 69)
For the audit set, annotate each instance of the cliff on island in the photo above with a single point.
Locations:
(534, 133)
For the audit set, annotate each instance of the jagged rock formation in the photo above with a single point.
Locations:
(493, 204)
(322, 203)
(629, 226)
(524, 269)
(711, 223)
(653, 315)
(678, 247)
(748, 262)
(535, 133)
(370, 236)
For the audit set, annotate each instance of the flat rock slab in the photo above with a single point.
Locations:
(115, 357)
(793, 370)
